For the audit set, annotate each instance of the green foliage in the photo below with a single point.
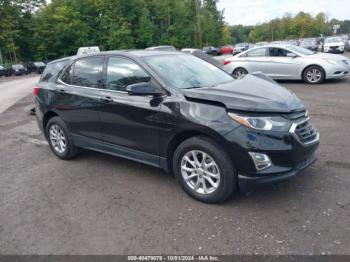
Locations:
(300, 26)
(32, 30)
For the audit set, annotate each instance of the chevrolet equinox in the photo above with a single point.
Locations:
(177, 112)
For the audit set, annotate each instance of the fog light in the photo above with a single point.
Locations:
(261, 161)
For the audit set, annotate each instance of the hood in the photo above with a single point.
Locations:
(328, 56)
(334, 44)
(249, 93)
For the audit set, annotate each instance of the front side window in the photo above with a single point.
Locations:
(279, 52)
(87, 72)
(187, 71)
(257, 52)
(122, 72)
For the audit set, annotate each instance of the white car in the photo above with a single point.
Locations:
(288, 62)
(333, 45)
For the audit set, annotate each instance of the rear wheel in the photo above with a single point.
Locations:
(314, 75)
(204, 170)
(239, 72)
(59, 139)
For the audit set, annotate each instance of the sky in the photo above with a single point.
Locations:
(252, 12)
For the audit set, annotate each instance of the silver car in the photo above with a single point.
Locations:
(289, 62)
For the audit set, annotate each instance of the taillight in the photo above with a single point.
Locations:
(226, 62)
(36, 91)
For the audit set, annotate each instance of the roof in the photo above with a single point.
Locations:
(132, 52)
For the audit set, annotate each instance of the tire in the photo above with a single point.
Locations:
(219, 163)
(69, 150)
(313, 75)
(238, 72)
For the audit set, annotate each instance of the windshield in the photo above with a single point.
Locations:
(333, 39)
(187, 71)
(300, 50)
(18, 66)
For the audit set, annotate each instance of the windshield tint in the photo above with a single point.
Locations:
(333, 39)
(300, 50)
(187, 71)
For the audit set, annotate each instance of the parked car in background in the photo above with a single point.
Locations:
(227, 49)
(347, 45)
(309, 43)
(37, 67)
(162, 48)
(204, 56)
(293, 42)
(261, 44)
(289, 62)
(18, 70)
(4, 71)
(251, 46)
(333, 44)
(211, 50)
(240, 47)
(177, 112)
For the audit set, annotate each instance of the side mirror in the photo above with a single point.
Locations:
(143, 89)
(292, 55)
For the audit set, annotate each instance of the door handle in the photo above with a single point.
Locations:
(107, 99)
(61, 91)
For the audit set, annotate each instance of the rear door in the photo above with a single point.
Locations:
(255, 60)
(77, 97)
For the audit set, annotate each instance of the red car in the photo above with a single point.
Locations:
(227, 49)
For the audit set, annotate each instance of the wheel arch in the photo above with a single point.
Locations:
(306, 67)
(47, 116)
(184, 135)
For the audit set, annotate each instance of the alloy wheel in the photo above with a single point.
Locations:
(200, 172)
(57, 139)
(314, 75)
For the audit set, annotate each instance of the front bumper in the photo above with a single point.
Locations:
(337, 71)
(288, 155)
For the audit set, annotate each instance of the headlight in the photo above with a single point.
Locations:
(334, 62)
(275, 123)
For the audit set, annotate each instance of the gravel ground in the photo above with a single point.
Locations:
(99, 204)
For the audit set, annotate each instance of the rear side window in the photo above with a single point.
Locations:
(257, 52)
(86, 72)
(122, 72)
(52, 70)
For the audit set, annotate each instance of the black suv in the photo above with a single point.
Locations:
(177, 112)
(37, 67)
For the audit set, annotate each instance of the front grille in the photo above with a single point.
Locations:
(334, 47)
(306, 132)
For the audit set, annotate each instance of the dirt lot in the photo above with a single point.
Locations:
(99, 204)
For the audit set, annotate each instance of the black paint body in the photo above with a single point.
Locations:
(148, 129)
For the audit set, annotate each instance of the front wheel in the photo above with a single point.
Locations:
(204, 170)
(314, 75)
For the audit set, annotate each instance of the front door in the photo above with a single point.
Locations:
(129, 122)
(280, 65)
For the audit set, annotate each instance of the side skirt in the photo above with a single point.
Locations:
(120, 151)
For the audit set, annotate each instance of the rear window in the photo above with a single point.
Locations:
(52, 70)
